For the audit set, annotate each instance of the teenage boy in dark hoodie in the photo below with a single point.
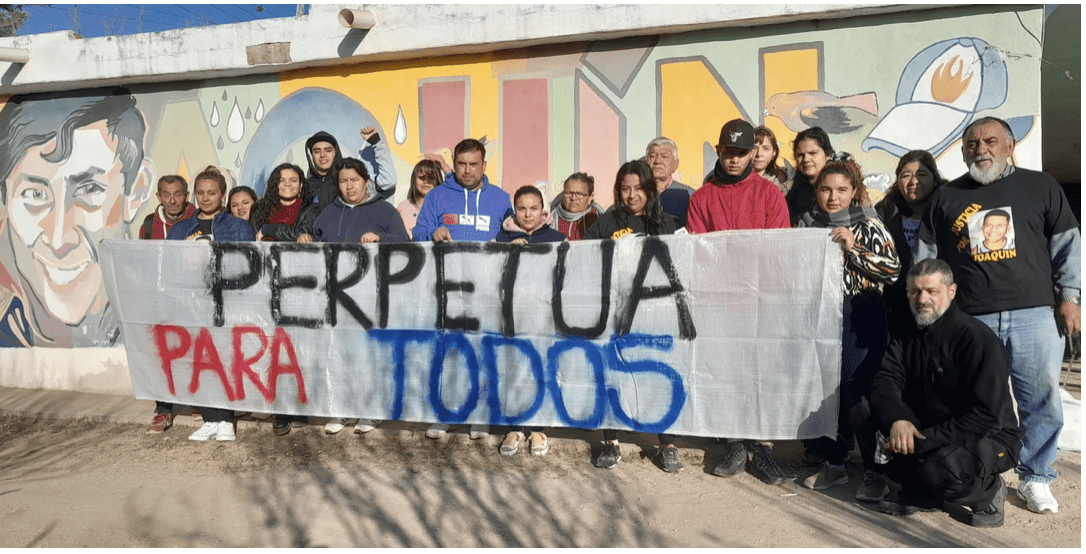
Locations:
(322, 152)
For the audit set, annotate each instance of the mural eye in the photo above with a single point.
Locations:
(90, 192)
(34, 196)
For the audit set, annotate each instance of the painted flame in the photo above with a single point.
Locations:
(947, 85)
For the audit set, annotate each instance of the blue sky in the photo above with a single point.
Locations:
(95, 20)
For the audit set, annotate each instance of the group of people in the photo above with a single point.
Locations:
(955, 293)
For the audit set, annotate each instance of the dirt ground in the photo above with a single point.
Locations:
(69, 483)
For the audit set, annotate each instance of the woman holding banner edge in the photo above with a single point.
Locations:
(871, 261)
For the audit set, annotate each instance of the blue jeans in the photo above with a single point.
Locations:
(1036, 349)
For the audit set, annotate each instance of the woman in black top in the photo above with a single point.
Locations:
(637, 207)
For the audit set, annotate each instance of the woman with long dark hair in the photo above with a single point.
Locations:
(283, 214)
(917, 177)
(870, 263)
(637, 210)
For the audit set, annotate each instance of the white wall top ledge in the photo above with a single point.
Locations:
(62, 60)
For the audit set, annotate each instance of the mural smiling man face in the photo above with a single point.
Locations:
(73, 174)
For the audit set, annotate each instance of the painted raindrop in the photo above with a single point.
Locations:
(224, 94)
(248, 113)
(260, 111)
(220, 144)
(237, 161)
(400, 131)
(214, 114)
(235, 125)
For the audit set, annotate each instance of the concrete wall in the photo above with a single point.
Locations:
(880, 80)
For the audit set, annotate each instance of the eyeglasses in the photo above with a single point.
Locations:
(573, 194)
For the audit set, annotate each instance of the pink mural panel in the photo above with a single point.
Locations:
(525, 133)
(598, 130)
(442, 113)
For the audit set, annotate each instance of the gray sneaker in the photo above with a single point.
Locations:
(826, 477)
(874, 487)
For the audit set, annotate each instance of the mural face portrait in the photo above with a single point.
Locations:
(58, 211)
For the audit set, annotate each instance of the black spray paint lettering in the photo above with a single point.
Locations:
(607, 256)
(653, 250)
(509, 281)
(336, 289)
(416, 258)
(279, 283)
(444, 287)
(219, 282)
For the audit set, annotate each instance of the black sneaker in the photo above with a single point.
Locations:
(280, 424)
(669, 458)
(299, 421)
(610, 456)
(765, 468)
(992, 516)
(734, 460)
(907, 505)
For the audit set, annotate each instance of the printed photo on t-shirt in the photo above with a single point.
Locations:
(991, 233)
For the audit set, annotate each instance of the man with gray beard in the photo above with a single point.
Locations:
(940, 421)
(1027, 292)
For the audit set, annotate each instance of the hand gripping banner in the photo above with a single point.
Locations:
(731, 334)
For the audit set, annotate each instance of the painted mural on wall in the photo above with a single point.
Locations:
(81, 166)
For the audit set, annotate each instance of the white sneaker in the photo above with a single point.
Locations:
(436, 431)
(477, 432)
(1038, 497)
(206, 432)
(365, 426)
(335, 425)
(225, 431)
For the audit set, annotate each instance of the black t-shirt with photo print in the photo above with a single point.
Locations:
(1009, 268)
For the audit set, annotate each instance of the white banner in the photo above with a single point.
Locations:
(732, 334)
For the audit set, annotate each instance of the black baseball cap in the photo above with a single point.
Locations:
(738, 134)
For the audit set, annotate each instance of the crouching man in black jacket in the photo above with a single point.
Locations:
(940, 421)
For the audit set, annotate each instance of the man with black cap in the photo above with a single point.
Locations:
(736, 197)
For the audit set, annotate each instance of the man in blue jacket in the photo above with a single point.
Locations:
(466, 206)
